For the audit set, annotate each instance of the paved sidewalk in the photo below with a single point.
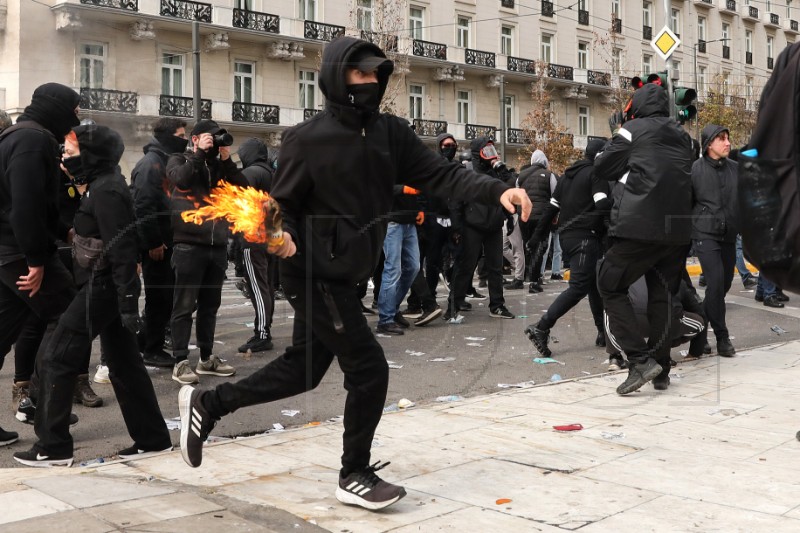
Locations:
(717, 452)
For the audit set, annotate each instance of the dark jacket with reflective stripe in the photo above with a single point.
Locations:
(716, 200)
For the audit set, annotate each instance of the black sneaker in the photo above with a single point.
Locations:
(772, 301)
(134, 452)
(557, 277)
(159, 359)
(400, 320)
(256, 344)
(390, 329)
(196, 424)
(367, 310)
(535, 287)
(8, 437)
(781, 296)
(750, 283)
(482, 284)
(514, 285)
(465, 306)
(539, 338)
(413, 312)
(725, 348)
(600, 340)
(279, 295)
(365, 489)
(616, 362)
(702, 281)
(638, 375)
(472, 294)
(36, 458)
(661, 383)
(26, 412)
(244, 288)
(707, 348)
(428, 316)
(501, 312)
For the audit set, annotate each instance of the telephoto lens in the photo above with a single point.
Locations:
(223, 138)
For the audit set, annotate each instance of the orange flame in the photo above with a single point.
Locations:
(251, 212)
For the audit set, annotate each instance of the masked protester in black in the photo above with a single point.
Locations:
(106, 250)
(336, 173)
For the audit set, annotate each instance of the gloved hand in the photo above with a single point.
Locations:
(409, 190)
(497, 164)
(131, 321)
(420, 218)
(615, 121)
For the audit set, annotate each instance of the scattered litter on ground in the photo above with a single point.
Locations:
(382, 336)
(502, 501)
(475, 344)
(213, 438)
(290, 412)
(456, 320)
(173, 424)
(415, 354)
(376, 443)
(723, 412)
(313, 424)
(405, 403)
(392, 408)
(553, 339)
(547, 360)
(684, 353)
(474, 338)
(277, 426)
(441, 359)
(219, 342)
(585, 372)
(555, 377)
(394, 366)
(569, 427)
(321, 508)
(451, 398)
(777, 329)
(520, 385)
(97, 461)
(522, 316)
(612, 436)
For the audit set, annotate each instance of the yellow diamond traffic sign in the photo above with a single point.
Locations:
(665, 42)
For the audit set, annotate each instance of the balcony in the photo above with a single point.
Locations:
(773, 20)
(308, 113)
(181, 106)
(728, 5)
(517, 136)
(547, 8)
(751, 12)
(647, 33)
(598, 78)
(517, 64)
(187, 10)
(429, 128)
(319, 31)
(560, 72)
(254, 20)
(737, 102)
(428, 49)
(726, 52)
(790, 26)
(509, 4)
(770, 63)
(258, 113)
(473, 131)
(127, 5)
(748, 58)
(583, 17)
(386, 42)
(701, 47)
(616, 25)
(476, 57)
(704, 3)
(109, 100)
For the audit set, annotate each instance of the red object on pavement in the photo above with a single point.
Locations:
(569, 427)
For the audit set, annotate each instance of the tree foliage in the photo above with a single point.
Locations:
(723, 105)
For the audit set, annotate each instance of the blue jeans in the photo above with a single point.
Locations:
(554, 241)
(765, 287)
(740, 264)
(401, 249)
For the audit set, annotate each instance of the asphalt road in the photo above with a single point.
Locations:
(479, 354)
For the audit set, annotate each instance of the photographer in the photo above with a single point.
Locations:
(199, 256)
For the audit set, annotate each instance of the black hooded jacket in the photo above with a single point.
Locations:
(336, 172)
(535, 179)
(151, 197)
(652, 157)
(254, 156)
(715, 213)
(478, 215)
(106, 210)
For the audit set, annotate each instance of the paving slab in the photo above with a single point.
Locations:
(28, 503)
(91, 490)
(478, 519)
(132, 513)
(70, 520)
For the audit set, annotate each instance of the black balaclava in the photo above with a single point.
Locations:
(448, 152)
(173, 144)
(53, 106)
(364, 96)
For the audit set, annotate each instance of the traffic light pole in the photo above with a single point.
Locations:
(667, 4)
(196, 70)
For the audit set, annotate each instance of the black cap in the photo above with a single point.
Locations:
(593, 147)
(365, 60)
(205, 126)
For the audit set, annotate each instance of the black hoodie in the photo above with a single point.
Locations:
(652, 157)
(485, 218)
(106, 210)
(336, 172)
(254, 156)
(151, 197)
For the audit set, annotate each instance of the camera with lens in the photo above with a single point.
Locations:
(223, 138)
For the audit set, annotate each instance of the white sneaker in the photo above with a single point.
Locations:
(182, 373)
(215, 367)
(101, 376)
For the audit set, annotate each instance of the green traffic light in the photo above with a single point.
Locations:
(684, 104)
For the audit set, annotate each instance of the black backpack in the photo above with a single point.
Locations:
(769, 182)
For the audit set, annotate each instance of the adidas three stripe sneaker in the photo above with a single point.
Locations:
(365, 489)
(196, 424)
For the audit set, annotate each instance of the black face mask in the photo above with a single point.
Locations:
(449, 152)
(366, 96)
(173, 144)
(75, 169)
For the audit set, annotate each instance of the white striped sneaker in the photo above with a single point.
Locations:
(365, 489)
(196, 424)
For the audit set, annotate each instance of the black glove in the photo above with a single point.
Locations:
(615, 121)
(497, 165)
(129, 313)
(131, 321)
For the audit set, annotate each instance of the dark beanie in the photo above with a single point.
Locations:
(593, 147)
(53, 106)
(205, 126)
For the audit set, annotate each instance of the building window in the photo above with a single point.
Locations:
(616, 59)
(701, 28)
(243, 74)
(647, 14)
(462, 106)
(416, 21)
(308, 10)
(583, 55)
(507, 40)
(171, 74)
(726, 32)
(246, 5)
(307, 85)
(770, 46)
(616, 9)
(676, 73)
(583, 5)
(509, 109)
(789, 9)
(462, 32)
(748, 92)
(364, 15)
(547, 48)
(416, 98)
(748, 41)
(675, 22)
(583, 120)
(92, 65)
(701, 81)
(647, 64)
(768, 5)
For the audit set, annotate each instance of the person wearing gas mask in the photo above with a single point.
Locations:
(154, 227)
(481, 227)
(32, 277)
(199, 255)
(106, 251)
(332, 205)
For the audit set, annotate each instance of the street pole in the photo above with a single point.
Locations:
(196, 77)
(502, 118)
(696, 88)
(668, 62)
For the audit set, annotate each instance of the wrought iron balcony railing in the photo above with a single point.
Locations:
(748, 58)
(647, 33)
(774, 19)
(726, 52)
(752, 12)
(583, 17)
(476, 57)
(473, 131)
(561, 72)
(429, 128)
(428, 49)
(308, 113)
(186, 9)
(770, 63)
(320, 31)
(730, 5)
(547, 8)
(738, 102)
(181, 106)
(254, 20)
(109, 100)
(517, 64)
(701, 47)
(387, 42)
(598, 78)
(127, 5)
(260, 113)
(507, 3)
(517, 136)
(793, 25)
(616, 25)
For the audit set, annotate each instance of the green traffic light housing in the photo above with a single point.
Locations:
(657, 78)
(684, 104)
